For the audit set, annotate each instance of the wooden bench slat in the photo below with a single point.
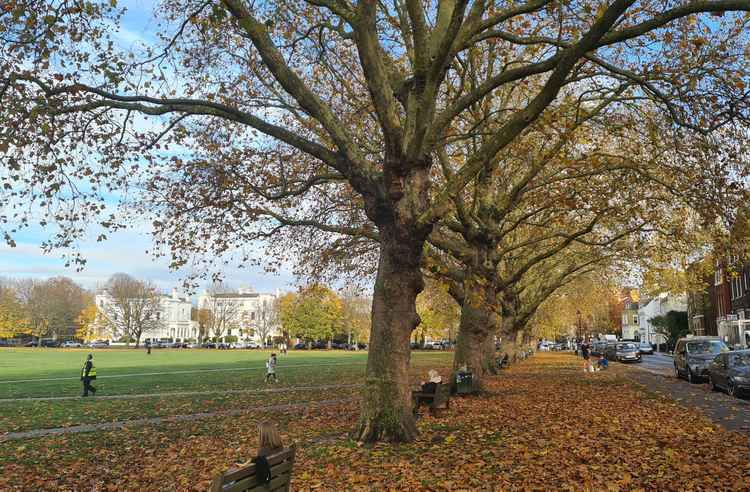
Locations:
(249, 483)
(245, 479)
(246, 471)
(437, 400)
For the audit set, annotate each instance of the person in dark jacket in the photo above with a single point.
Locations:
(429, 387)
(88, 374)
(148, 347)
(269, 444)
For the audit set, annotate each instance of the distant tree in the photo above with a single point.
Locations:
(673, 325)
(52, 305)
(265, 320)
(223, 313)
(88, 329)
(133, 308)
(439, 312)
(355, 311)
(203, 317)
(13, 316)
(314, 313)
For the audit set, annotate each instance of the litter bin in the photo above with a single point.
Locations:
(464, 383)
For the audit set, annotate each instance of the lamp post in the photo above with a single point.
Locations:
(580, 333)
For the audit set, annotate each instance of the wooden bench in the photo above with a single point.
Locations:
(245, 480)
(438, 400)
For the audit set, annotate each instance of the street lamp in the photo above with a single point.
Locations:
(580, 333)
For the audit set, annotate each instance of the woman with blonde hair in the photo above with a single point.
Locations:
(269, 439)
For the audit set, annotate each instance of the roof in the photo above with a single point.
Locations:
(234, 295)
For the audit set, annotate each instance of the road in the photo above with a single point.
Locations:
(656, 374)
(657, 364)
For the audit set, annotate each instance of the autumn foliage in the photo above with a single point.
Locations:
(541, 424)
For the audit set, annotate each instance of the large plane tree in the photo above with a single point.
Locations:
(301, 94)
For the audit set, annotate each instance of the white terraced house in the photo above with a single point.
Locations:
(172, 316)
(245, 314)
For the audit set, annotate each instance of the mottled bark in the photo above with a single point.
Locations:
(478, 323)
(386, 413)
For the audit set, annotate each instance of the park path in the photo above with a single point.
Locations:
(124, 424)
(286, 389)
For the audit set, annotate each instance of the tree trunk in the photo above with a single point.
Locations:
(478, 322)
(386, 413)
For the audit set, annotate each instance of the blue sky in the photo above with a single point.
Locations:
(124, 251)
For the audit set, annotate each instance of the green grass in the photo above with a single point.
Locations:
(42, 373)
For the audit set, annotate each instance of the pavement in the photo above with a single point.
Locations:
(656, 375)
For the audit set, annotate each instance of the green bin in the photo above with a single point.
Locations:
(464, 384)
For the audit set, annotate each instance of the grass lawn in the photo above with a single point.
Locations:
(223, 379)
(541, 425)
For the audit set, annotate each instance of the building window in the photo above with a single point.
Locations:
(718, 274)
(158, 315)
(252, 316)
(635, 319)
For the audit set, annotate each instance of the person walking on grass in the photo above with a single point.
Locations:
(271, 369)
(88, 374)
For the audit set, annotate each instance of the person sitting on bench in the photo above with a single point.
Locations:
(269, 442)
(429, 387)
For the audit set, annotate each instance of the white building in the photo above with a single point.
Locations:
(657, 306)
(252, 313)
(174, 314)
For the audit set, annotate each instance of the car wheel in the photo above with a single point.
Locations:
(731, 388)
(677, 372)
(713, 385)
(690, 377)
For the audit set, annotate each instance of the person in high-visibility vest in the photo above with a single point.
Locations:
(88, 374)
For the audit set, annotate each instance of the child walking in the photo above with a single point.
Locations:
(271, 369)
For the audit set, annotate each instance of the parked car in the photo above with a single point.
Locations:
(194, 345)
(300, 346)
(71, 344)
(692, 356)
(320, 345)
(645, 348)
(731, 372)
(599, 347)
(51, 343)
(209, 345)
(623, 352)
(99, 344)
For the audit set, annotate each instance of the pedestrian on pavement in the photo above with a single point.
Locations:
(585, 355)
(88, 374)
(271, 369)
(148, 347)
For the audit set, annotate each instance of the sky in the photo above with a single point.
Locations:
(123, 251)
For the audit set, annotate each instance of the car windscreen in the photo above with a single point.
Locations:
(706, 347)
(739, 360)
(626, 346)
